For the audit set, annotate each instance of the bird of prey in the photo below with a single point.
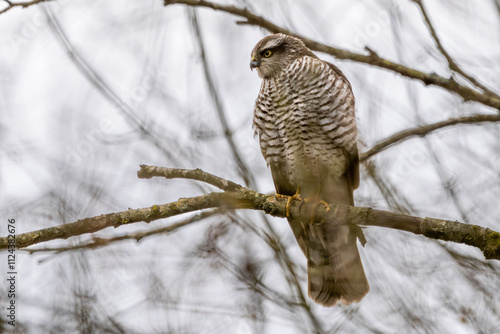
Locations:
(304, 117)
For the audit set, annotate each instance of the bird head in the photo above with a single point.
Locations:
(275, 52)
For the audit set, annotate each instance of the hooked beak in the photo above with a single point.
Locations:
(254, 63)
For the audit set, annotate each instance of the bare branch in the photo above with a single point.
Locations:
(147, 172)
(20, 4)
(155, 212)
(467, 94)
(425, 130)
(488, 241)
(451, 63)
(97, 242)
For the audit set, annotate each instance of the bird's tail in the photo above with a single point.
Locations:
(335, 271)
(334, 268)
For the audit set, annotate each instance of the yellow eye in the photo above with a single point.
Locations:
(267, 53)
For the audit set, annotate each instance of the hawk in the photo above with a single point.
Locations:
(304, 116)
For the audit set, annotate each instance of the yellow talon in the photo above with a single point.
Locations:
(297, 196)
(327, 208)
(279, 196)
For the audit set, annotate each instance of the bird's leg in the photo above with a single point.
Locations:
(289, 200)
(317, 203)
(297, 196)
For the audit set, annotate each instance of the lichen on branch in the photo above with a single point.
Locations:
(236, 196)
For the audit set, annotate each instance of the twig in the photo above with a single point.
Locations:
(20, 4)
(425, 130)
(395, 200)
(467, 94)
(106, 90)
(244, 170)
(451, 63)
(147, 172)
(488, 241)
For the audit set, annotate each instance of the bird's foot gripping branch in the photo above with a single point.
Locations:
(235, 196)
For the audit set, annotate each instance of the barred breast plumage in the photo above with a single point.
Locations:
(304, 116)
(305, 119)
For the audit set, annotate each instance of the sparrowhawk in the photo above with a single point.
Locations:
(304, 116)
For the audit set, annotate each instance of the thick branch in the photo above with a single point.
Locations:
(467, 94)
(486, 240)
(425, 130)
(97, 242)
(94, 224)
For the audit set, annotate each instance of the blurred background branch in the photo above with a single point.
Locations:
(451, 63)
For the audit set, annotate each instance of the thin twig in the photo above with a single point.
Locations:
(147, 172)
(99, 82)
(20, 4)
(244, 170)
(467, 94)
(425, 130)
(451, 63)
(394, 198)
